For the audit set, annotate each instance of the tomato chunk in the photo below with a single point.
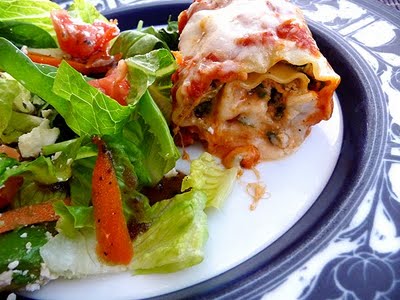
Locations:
(82, 40)
(115, 83)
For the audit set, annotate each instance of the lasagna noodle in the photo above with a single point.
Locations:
(252, 80)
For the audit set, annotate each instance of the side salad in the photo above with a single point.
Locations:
(87, 161)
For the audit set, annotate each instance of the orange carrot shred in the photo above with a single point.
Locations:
(114, 245)
(10, 152)
(54, 61)
(27, 215)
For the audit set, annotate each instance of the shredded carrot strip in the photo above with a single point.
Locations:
(10, 152)
(178, 57)
(114, 245)
(85, 69)
(27, 215)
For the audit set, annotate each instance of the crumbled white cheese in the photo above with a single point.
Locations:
(30, 144)
(45, 273)
(5, 278)
(171, 173)
(31, 287)
(48, 235)
(46, 113)
(24, 49)
(56, 155)
(12, 296)
(24, 235)
(210, 130)
(28, 246)
(12, 265)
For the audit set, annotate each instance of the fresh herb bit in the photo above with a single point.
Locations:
(203, 109)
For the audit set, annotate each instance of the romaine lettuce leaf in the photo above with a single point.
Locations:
(32, 192)
(152, 71)
(15, 110)
(85, 11)
(148, 142)
(81, 181)
(210, 177)
(27, 22)
(38, 79)
(23, 246)
(130, 43)
(85, 109)
(79, 258)
(143, 70)
(44, 170)
(169, 35)
(141, 41)
(6, 163)
(89, 110)
(41, 170)
(73, 218)
(18, 125)
(7, 95)
(25, 34)
(176, 237)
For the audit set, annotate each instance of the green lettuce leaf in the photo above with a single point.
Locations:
(81, 181)
(16, 110)
(23, 246)
(6, 163)
(73, 218)
(212, 178)
(79, 257)
(85, 11)
(44, 170)
(141, 41)
(24, 34)
(148, 142)
(38, 79)
(27, 22)
(143, 70)
(18, 125)
(32, 192)
(153, 71)
(41, 170)
(176, 237)
(130, 43)
(7, 95)
(85, 109)
(169, 35)
(88, 111)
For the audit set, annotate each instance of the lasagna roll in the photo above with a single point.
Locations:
(251, 80)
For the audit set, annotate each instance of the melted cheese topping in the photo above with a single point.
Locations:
(220, 31)
(252, 80)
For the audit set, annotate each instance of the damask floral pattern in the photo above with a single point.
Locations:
(363, 260)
